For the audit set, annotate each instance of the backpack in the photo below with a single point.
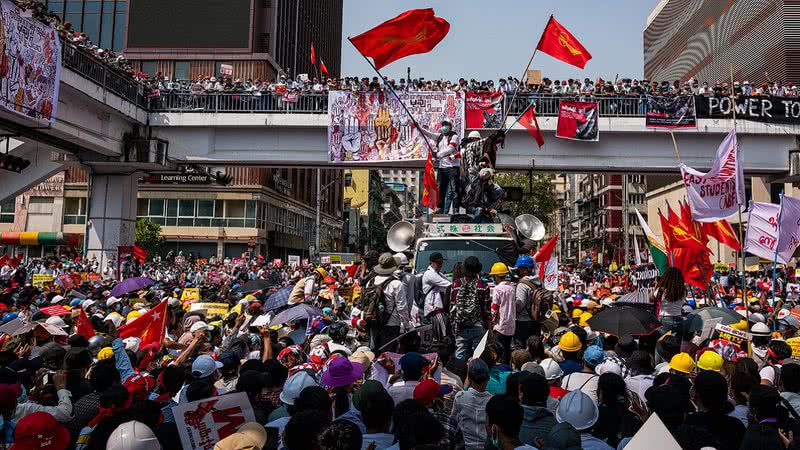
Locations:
(540, 302)
(373, 303)
(467, 310)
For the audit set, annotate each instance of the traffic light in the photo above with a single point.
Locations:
(13, 163)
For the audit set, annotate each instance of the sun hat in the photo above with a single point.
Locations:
(200, 326)
(342, 371)
(294, 386)
(386, 264)
(40, 430)
(204, 366)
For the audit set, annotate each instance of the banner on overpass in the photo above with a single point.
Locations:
(30, 64)
(758, 109)
(484, 109)
(578, 121)
(671, 112)
(373, 126)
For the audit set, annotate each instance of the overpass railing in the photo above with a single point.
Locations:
(187, 102)
(86, 65)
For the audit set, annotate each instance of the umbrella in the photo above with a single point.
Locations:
(255, 285)
(694, 321)
(130, 285)
(295, 313)
(278, 298)
(624, 321)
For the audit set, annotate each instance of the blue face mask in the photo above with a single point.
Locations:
(445, 129)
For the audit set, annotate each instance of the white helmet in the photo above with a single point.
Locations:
(757, 317)
(474, 134)
(133, 435)
(577, 409)
(760, 329)
(552, 371)
(401, 259)
(55, 320)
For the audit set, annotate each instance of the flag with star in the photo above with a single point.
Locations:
(150, 327)
(411, 33)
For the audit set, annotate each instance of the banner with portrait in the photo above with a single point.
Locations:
(578, 121)
(484, 109)
(671, 112)
(366, 127)
(30, 64)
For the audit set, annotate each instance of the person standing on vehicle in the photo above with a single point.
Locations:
(449, 173)
(434, 289)
(469, 300)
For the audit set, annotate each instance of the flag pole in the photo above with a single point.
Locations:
(775, 257)
(391, 88)
(675, 146)
(520, 116)
(516, 91)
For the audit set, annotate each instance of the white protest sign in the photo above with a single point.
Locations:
(709, 326)
(551, 274)
(203, 423)
(653, 435)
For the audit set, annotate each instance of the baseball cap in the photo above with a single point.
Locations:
(200, 326)
(412, 363)
(436, 256)
(427, 391)
(204, 366)
(594, 356)
(295, 385)
(40, 430)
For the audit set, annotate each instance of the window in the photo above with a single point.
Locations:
(156, 208)
(149, 67)
(7, 211)
(181, 70)
(74, 211)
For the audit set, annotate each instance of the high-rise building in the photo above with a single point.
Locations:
(187, 39)
(703, 38)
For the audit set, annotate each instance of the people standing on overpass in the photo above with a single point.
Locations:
(449, 174)
(434, 288)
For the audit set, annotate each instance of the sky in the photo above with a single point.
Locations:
(493, 39)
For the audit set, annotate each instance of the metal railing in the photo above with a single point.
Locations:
(86, 65)
(548, 105)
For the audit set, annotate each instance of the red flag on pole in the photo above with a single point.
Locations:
(722, 231)
(430, 190)
(313, 55)
(528, 120)
(322, 67)
(139, 253)
(544, 254)
(84, 325)
(413, 32)
(150, 327)
(559, 43)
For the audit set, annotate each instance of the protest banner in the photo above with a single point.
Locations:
(773, 231)
(729, 334)
(671, 112)
(226, 69)
(534, 77)
(203, 423)
(645, 276)
(294, 260)
(325, 260)
(758, 109)
(374, 127)
(716, 195)
(189, 296)
(211, 309)
(484, 109)
(551, 274)
(40, 279)
(577, 121)
(56, 310)
(794, 343)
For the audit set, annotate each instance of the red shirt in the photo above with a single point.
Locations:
(557, 392)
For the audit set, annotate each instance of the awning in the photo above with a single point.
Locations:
(38, 238)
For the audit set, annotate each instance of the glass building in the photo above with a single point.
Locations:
(103, 21)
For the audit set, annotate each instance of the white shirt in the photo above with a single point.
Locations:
(434, 285)
(585, 382)
(395, 297)
(445, 150)
(402, 390)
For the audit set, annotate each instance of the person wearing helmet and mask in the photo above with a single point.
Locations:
(307, 288)
(504, 311)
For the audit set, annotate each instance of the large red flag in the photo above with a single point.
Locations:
(682, 235)
(150, 327)
(84, 325)
(544, 254)
(413, 32)
(430, 190)
(722, 231)
(695, 266)
(313, 55)
(559, 43)
(528, 120)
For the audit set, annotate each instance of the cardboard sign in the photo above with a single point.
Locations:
(40, 279)
(294, 260)
(190, 295)
(277, 262)
(535, 77)
(212, 309)
(709, 325)
(653, 435)
(727, 333)
(226, 69)
(794, 343)
(203, 423)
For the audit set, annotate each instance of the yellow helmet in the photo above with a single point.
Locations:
(682, 362)
(582, 320)
(556, 308)
(710, 360)
(740, 325)
(133, 315)
(570, 342)
(105, 353)
(499, 268)
(576, 313)
(322, 272)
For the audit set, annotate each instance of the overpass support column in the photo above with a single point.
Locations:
(112, 218)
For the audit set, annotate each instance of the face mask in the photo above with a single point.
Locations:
(445, 129)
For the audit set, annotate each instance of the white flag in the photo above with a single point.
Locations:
(637, 257)
(762, 230)
(789, 237)
(551, 274)
(716, 195)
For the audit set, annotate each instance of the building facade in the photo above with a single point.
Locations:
(701, 39)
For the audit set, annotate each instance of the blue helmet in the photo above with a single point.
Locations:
(524, 261)
(75, 302)
(8, 317)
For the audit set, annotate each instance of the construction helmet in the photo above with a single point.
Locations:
(524, 261)
(760, 329)
(582, 320)
(740, 325)
(133, 315)
(105, 353)
(133, 435)
(576, 313)
(710, 360)
(552, 371)
(570, 342)
(757, 317)
(499, 268)
(682, 362)
(577, 409)
(322, 272)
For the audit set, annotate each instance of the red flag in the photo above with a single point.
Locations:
(682, 235)
(413, 32)
(528, 120)
(322, 67)
(544, 254)
(559, 43)
(139, 253)
(430, 190)
(313, 55)
(722, 231)
(690, 224)
(150, 327)
(84, 325)
(695, 266)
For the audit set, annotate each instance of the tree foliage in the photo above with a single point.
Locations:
(148, 235)
(541, 202)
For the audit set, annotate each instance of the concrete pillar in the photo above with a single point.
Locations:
(112, 217)
(760, 189)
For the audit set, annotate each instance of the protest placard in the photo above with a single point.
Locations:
(203, 423)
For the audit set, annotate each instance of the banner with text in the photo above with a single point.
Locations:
(671, 112)
(484, 109)
(203, 423)
(578, 121)
(373, 126)
(30, 69)
(759, 109)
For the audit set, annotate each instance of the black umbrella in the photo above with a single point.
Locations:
(255, 285)
(624, 321)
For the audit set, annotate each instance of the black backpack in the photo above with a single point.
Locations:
(373, 303)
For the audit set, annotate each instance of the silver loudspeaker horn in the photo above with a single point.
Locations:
(401, 236)
(530, 227)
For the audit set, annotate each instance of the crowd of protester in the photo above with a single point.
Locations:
(542, 378)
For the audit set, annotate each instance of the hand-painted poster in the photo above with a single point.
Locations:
(671, 112)
(373, 126)
(484, 109)
(578, 121)
(30, 64)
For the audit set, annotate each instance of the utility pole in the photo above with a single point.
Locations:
(319, 206)
(625, 216)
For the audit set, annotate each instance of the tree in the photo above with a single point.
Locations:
(148, 235)
(541, 202)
